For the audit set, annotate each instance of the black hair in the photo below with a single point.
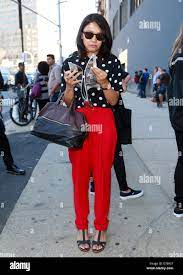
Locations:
(20, 64)
(146, 69)
(43, 67)
(51, 55)
(105, 49)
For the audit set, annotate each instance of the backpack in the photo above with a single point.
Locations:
(36, 90)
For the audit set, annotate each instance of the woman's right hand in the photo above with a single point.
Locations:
(71, 79)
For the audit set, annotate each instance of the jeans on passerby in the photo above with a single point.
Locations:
(178, 176)
(141, 89)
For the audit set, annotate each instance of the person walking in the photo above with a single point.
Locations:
(21, 79)
(97, 154)
(162, 83)
(140, 85)
(42, 78)
(156, 73)
(136, 78)
(54, 78)
(5, 151)
(145, 79)
(175, 93)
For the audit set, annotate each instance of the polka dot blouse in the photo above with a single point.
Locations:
(96, 97)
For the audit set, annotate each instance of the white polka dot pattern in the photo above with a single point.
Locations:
(96, 97)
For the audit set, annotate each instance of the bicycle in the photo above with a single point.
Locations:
(24, 109)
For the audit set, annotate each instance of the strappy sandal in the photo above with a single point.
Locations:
(98, 243)
(83, 242)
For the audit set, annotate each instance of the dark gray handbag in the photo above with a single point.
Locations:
(61, 125)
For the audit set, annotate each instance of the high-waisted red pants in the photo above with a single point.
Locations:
(96, 157)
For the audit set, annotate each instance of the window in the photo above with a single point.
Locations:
(115, 25)
(132, 7)
(134, 4)
(123, 13)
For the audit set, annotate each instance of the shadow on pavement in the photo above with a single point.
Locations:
(26, 150)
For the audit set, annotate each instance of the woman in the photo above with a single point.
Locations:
(42, 78)
(97, 154)
(175, 94)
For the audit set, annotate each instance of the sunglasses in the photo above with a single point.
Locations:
(90, 35)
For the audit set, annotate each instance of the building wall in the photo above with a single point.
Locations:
(10, 37)
(40, 37)
(142, 47)
(48, 37)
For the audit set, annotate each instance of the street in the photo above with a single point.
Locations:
(37, 215)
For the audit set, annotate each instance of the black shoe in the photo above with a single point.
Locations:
(133, 194)
(13, 169)
(92, 188)
(178, 211)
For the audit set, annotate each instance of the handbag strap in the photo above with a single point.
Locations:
(72, 106)
(59, 100)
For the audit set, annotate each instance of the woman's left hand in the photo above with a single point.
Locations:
(101, 76)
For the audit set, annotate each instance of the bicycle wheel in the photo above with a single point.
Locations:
(18, 114)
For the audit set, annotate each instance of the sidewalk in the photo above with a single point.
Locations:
(42, 222)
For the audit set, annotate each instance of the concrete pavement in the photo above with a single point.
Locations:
(42, 222)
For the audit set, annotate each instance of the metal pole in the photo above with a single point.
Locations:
(21, 24)
(60, 35)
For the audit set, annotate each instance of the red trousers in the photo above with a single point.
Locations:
(96, 157)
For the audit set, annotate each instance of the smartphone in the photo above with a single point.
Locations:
(78, 69)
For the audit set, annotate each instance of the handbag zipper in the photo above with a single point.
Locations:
(55, 121)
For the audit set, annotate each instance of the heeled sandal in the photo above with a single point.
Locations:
(98, 243)
(83, 242)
